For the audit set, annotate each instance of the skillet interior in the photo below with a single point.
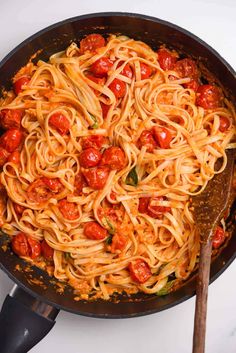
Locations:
(154, 32)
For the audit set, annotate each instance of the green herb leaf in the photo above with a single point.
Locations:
(166, 289)
(67, 256)
(132, 178)
(111, 229)
(95, 125)
(109, 240)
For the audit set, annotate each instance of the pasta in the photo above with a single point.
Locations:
(106, 143)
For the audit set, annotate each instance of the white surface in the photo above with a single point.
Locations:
(169, 331)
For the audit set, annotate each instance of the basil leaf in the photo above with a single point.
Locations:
(166, 289)
(67, 256)
(132, 178)
(95, 125)
(111, 229)
(109, 240)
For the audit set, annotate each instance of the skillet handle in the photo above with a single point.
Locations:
(24, 321)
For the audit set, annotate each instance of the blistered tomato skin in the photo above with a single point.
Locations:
(140, 271)
(90, 157)
(101, 67)
(162, 136)
(114, 158)
(47, 251)
(166, 59)
(11, 139)
(60, 122)
(224, 124)
(68, 209)
(20, 83)
(92, 42)
(96, 177)
(118, 87)
(147, 140)
(209, 97)
(11, 118)
(93, 230)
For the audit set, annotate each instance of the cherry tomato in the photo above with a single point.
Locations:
(166, 59)
(96, 177)
(53, 184)
(92, 42)
(155, 211)
(99, 80)
(47, 251)
(101, 67)
(218, 238)
(162, 136)
(193, 84)
(38, 191)
(146, 139)
(126, 71)
(208, 97)
(35, 248)
(118, 87)
(90, 157)
(20, 83)
(24, 245)
(68, 209)
(11, 118)
(14, 157)
(4, 155)
(11, 139)
(114, 157)
(20, 244)
(79, 184)
(146, 71)
(119, 242)
(59, 122)
(224, 124)
(139, 271)
(93, 141)
(143, 204)
(94, 231)
(186, 68)
(19, 209)
(105, 109)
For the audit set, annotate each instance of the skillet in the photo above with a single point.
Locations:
(36, 299)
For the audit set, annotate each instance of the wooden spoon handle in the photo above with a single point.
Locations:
(201, 299)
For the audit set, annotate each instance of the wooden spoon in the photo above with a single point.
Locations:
(209, 207)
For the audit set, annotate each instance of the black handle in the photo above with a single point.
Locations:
(24, 321)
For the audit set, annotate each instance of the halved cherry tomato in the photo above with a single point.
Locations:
(105, 109)
(19, 209)
(38, 191)
(114, 157)
(118, 87)
(68, 209)
(101, 67)
(162, 136)
(59, 122)
(35, 248)
(94, 231)
(11, 139)
(47, 251)
(119, 242)
(156, 211)
(92, 42)
(224, 124)
(209, 97)
(94, 141)
(53, 184)
(79, 184)
(14, 157)
(90, 157)
(20, 244)
(139, 271)
(11, 118)
(186, 68)
(143, 204)
(24, 245)
(146, 71)
(96, 177)
(127, 71)
(147, 205)
(147, 139)
(18, 85)
(218, 238)
(4, 155)
(166, 59)
(193, 84)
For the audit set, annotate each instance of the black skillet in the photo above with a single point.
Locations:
(29, 312)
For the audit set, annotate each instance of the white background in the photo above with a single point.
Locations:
(169, 331)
